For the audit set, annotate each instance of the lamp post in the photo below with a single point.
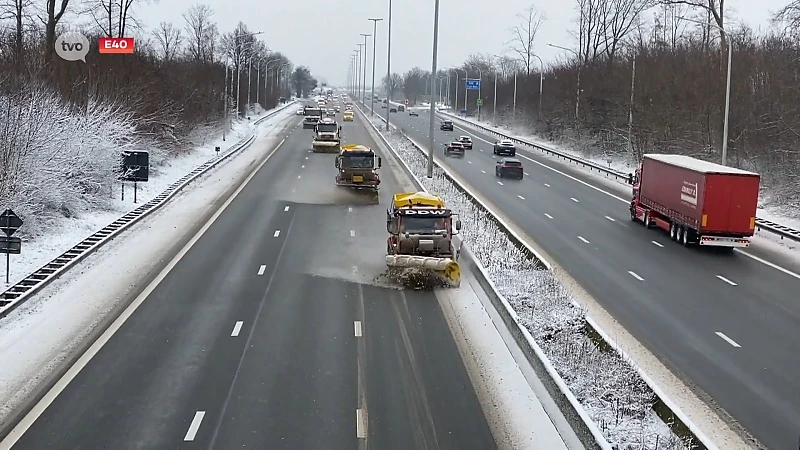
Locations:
(432, 129)
(364, 84)
(374, 45)
(361, 61)
(541, 83)
(455, 102)
(494, 107)
(354, 66)
(578, 89)
(480, 85)
(727, 87)
(389, 63)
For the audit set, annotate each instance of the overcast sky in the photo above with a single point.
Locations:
(322, 34)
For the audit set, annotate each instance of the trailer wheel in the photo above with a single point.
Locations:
(633, 214)
(679, 233)
(647, 222)
(673, 232)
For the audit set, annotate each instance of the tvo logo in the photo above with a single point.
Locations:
(72, 46)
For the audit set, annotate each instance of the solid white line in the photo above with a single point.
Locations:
(194, 426)
(548, 216)
(357, 327)
(277, 233)
(728, 340)
(657, 243)
(352, 233)
(583, 239)
(547, 185)
(262, 269)
(611, 219)
(521, 197)
(237, 328)
(634, 275)
(500, 183)
(361, 432)
(767, 263)
(285, 208)
(483, 171)
(726, 280)
(574, 199)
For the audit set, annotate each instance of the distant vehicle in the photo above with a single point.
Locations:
(330, 112)
(313, 115)
(696, 202)
(392, 109)
(412, 112)
(505, 147)
(300, 111)
(401, 108)
(337, 108)
(446, 125)
(347, 116)
(454, 148)
(466, 141)
(509, 167)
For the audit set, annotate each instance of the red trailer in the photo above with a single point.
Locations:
(696, 202)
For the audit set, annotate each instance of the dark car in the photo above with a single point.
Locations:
(509, 168)
(411, 112)
(505, 147)
(392, 109)
(454, 148)
(466, 141)
(447, 125)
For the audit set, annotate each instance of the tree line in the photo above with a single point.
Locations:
(662, 64)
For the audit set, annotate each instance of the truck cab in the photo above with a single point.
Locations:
(327, 135)
(312, 116)
(358, 167)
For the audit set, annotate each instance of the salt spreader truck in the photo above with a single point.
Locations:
(696, 202)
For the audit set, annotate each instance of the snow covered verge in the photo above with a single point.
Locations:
(610, 389)
(787, 215)
(44, 335)
(59, 170)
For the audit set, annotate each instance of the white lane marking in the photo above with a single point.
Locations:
(469, 162)
(277, 233)
(548, 216)
(262, 269)
(357, 328)
(237, 328)
(547, 185)
(584, 239)
(361, 426)
(303, 166)
(657, 243)
(527, 174)
(349, 209)
(483, 171)
(194, 426)
(352, 233)
(285, 208)
(726, 280)
(481, 149)
(521, 197)
(635, 275)
(574, 199)
(611, 218)
(306, 157)
(298, 177)
(770, 264)
(727, 339)
(500, 183)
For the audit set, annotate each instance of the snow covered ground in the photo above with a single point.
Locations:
(40, 248)
(38, 337)
(554, 309)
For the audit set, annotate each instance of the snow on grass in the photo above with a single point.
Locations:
(45, 240)
(608, 387)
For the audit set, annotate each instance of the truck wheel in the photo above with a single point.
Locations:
(647, 222)
(633, 215)
(673, 232)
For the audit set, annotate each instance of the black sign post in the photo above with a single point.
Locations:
(135, 167)
(9, 224)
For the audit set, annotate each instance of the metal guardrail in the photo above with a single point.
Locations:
(20, 292)
(568, 404)
(761, 224)
(577, 417)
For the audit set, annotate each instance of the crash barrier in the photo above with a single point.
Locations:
(586, 430)
(569, 405)
(20, 292)
(761, 224)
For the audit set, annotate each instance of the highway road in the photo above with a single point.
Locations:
(729, 324)
(272, 332)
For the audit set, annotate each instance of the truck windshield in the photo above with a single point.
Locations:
(310, 112)
(423, 225)
(327, 127)
(358, 162)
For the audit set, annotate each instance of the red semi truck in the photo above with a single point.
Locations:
(696, 202)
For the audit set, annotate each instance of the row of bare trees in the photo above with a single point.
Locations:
(650, 77)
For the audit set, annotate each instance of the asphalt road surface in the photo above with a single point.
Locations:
(273, 333)
(729, 324)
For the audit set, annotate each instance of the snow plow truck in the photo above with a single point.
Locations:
(326, 136)
(358, 168)
(421, 231)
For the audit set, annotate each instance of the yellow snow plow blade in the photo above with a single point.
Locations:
(446, 268)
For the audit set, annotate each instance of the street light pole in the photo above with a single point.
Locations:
(578, 89)
(361, 61)
(225, 101)
(374, 45)
(480, 99)
(514, 108)
(431, 131)
(494, 107)
(541, 83)
(364, 89)
(389, 64)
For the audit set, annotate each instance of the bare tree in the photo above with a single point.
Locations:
(618, 18)
(507, 65)
(169, 40)
(525, 33)
(16, 10)
(393, 84)
(789, 15)
(202, 33)
(54, 16)
(714, 9)
(114, 17)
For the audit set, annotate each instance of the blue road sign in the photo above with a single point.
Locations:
(473, 85)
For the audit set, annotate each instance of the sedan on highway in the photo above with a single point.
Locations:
(509, 167)
(454, 148)
(412, 112)
(446, 125)
(505, 147)
(466, 141)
